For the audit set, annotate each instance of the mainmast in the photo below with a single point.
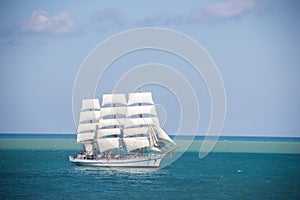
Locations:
(141, 116)
(111, 123)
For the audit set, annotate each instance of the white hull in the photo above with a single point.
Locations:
(135, 162)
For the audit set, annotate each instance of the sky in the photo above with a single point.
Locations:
(254, 43)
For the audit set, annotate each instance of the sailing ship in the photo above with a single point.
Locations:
(120, 133)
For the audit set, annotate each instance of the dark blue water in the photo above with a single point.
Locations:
(46, 174)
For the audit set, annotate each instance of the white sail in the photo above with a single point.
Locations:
(136, 110)
(105, 144)
(136, 143)
(163, 135)
(111, 122)
(143, 97)
(89, 115)
(131, 122)
(83, 137)
(88, 104)
(87, 127)
(109, 99)
(107, 111)
(121, 134)
(135, 131)
(108, 132)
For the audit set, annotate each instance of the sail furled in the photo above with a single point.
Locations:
(137, 110)
(105, 144)
(109, 99)
(108, 132)
(136, 143)
(141, 97)
(88, 104)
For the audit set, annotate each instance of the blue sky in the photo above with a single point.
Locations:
(255, 44)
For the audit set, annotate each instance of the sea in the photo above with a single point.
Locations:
(36, 166)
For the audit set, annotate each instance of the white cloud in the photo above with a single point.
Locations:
(219, 9)
(41, 22)
(230, 8)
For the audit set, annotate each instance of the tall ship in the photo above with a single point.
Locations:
(121, 133)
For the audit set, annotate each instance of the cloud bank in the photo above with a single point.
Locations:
(41, 22)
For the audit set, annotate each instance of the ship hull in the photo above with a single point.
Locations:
(141, 162)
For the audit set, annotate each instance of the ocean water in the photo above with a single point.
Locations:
(46, 173)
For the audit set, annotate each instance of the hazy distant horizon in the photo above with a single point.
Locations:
(197, 135)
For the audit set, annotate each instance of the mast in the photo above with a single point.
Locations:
(88, 121)
(141, 114)
(142, 122)
(115, 126)
(111, 123)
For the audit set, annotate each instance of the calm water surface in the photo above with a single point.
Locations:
(47, 174)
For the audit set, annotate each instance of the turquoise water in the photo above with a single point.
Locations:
(224, 144)
(46, 174)
(37, 167)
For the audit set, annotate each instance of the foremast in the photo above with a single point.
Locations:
(88, 122)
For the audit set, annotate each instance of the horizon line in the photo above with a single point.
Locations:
(201, 135)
